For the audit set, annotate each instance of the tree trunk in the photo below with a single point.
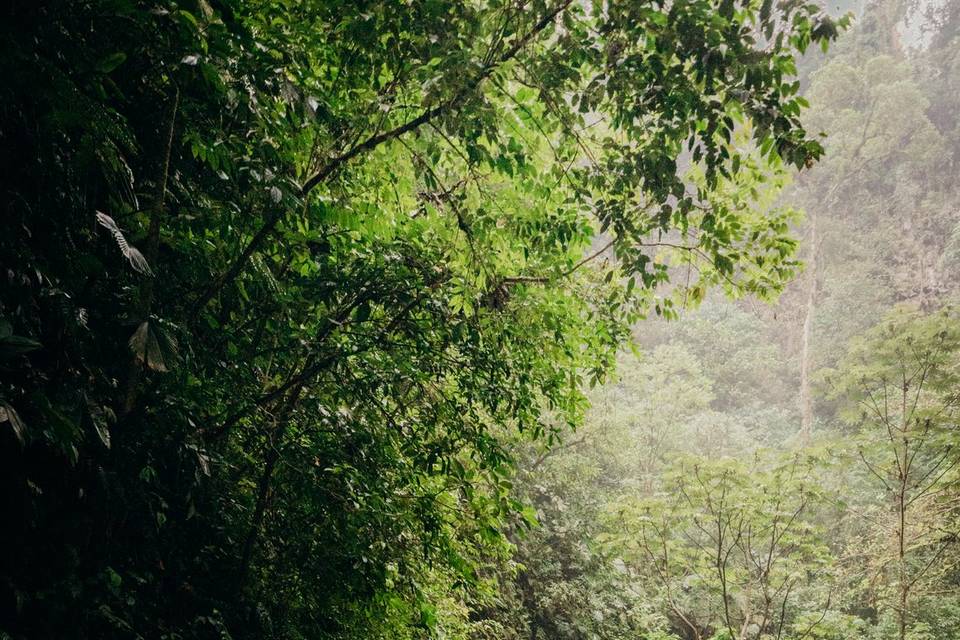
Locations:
(902, 561)
(806, 397)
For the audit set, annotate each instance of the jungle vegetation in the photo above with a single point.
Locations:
(479, 320)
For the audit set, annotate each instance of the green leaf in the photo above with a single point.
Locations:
(428, 615)
(111, 62)
(529, 515)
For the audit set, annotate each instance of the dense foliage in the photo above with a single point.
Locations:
(286, 283)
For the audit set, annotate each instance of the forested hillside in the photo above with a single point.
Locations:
(787, 470)
(496, 319)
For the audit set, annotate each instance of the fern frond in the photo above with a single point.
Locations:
(132, 254)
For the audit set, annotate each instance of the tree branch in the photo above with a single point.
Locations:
(375, 141)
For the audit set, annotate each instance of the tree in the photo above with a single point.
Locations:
(732, 555)
(900, 385)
